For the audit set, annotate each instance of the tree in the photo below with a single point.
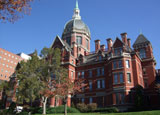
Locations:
(157, 87)
(12, 10)
(28, 83)
(67, 87)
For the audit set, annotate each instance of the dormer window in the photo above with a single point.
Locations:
(142, 53)
(79, 40)
(117, 51)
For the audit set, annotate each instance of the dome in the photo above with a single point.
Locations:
(77, 24)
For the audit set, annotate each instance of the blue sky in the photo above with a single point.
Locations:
(105, 18)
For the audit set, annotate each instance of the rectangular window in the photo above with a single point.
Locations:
(114, 65)
(71, 74)
(115, 78)
(98, 84)
(128, 77)
(90, 73)
(117, 98)
(121, 77)
(127, 64)
(87, 42)
(82, 100)
(82, 74)
(79, 40)
(122, 98)
(90, 100)
(90, 85)
(79, 74)
(103, 83)
(98, 71)
(120, 63)
(115, 52)
(102, 71)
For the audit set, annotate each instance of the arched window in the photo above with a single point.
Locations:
(142, 53)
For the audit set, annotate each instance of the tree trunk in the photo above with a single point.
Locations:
(44, 99)
(65, 106)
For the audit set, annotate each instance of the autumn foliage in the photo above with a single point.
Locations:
(12, 10)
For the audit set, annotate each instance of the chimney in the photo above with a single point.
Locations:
(124, 37)
(109, 42)
(102, 47)
(129, 42)
(97, 45)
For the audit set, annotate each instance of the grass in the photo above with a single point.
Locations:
(157, 112)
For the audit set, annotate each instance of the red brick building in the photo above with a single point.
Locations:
(111, 72)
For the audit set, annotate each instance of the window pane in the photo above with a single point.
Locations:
(98, 84)
(115, 78)
(129, 77)
(90, 73)
(82, 74)
(120, 63)
(102, 71)
(98, 71)
(103, 83)
(79, 40)
(90, 100)
(121, 78)
(90, 85)
(127, 64)
(117, 98)
(114, 64)
(87, 44)
(142, 53)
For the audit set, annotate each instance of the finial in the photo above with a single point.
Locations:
(77, 4)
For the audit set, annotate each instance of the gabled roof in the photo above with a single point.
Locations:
(140, 40)
(62, 42)
(117, 40)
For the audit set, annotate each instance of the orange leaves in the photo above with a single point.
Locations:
(11, 10)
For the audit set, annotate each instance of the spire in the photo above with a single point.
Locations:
(76, 14)
(77, 4)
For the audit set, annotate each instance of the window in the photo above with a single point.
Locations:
(79, 74)
(68, 40)
(115, 78)
(102, 71)
(98, 84)
(71, 74)
(117, 98)
(100, 57)
(129, 77)
(116, 51)
(103, 83)
(122, 98)
(120, 63)
(146, 83)
(142, 53)
(90, 100)
(121, 77)
(0, 57)
(114, 64)
(90, 73)
(1, 75)
(90, 85)
(82, 100)
(4, 58)
(127, 64)
(87, 42)
(79, 40)
(82, 74)
(98, 72)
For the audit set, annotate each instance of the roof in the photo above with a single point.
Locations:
(63, 43)
(76, 24)
(140, 40)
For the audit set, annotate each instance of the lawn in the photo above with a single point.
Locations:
(157, 112)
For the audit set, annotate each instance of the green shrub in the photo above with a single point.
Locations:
(22, 113)
(82, 107)
(107, 110)
(54, 110)
(91, 107)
